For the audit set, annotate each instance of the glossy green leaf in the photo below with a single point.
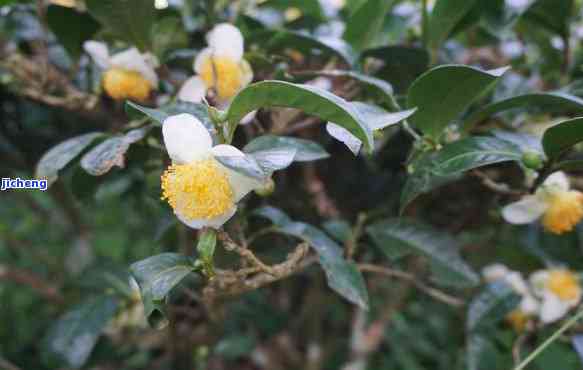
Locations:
(412, 236)
(71, 339)
(473, 152)
(158, 115)
(445, 15)
(445, 92)
(343, 276)
(491, 306)
(562, 137)
(62, 20)
(156, 276)
(245, 165)
(309, 99)
(168, 34)
(130, 20)
(547, 102)
(481, 352)
(553, 15)
(206, 249)
(274, 159)
(306, 150)
(339, 229)
(366, 22)
(62, 154)
(377, 118)
(280, 40)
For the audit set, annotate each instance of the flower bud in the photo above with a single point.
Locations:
(533, 160)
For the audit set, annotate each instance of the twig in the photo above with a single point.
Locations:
(517, 346)
(432, 292)
(352, 242)
(499, 188)
(245, 253)
(27, 278)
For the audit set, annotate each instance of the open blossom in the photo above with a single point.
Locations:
(529, 306)
(201, 191)
(128, 74)
(559, 207)
(558, 289)
(220, 67)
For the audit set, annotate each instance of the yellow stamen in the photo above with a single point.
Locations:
(564, 212)
(125, 84)
(518, 320)
(229, 76)
(564, 284)
(198, 190)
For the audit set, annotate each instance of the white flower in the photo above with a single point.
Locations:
(201, 191)
(559, 291)
(529, 305)
(560, 208)
(220, 66)
(128, 74)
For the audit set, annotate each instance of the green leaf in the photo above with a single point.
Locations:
(377, 118)
(245, 165)
(158, 115)
(273, 159)
(279, 40)
(445, 92)
(306, 150)
(111, 152)
(473, 152)
(562, 137)
(309, 99)
(366, 22)
(206, 249)
(339, 229)
(168, 34)
(442, 249)
(554, 15)
(62, 154)
(343, 276)
(481, 352)
(156, 276)
(548, 102)
(130, 20)
(446, 14)
(71, 339)
(491, 306)
(63, 20)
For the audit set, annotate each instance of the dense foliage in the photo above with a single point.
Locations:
(278, 184)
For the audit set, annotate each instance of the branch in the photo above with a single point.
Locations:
(496, 187)
(36, 283)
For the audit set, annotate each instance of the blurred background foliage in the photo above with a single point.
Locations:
(73, 244)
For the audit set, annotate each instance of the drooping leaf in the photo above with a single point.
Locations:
(343, 276)
(491, 306)
(274, 159)
(309, 99)
(71, 339)
(306, 150)
(548, 102)
(158, 115)
(156, 276)
(366, 22)
(446, 14)
(377, 118)
(562, 137)
(555, 16)
(62, 20)
(130, 20)
(444, 92)
(245, 165)
(62, 154)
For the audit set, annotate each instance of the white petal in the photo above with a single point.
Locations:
(215, 222)
(132, 59)
(248, 118)
(343, 135)
(226, 40)
(525, 211)
(538, 282)
(494, 272)
(193, 90)
(241, 184)
(552, 308)
(247, 72)
(517, 282)
(529, 305)
(201, 59)
(98, 52)
(186, 138)
(557, 181)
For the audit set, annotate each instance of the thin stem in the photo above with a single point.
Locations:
(549, 341)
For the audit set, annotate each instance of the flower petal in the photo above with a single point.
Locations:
(215, 222)
(132, 59)
(558, 181)
(494, 272)
(241, 184)
(247, 73)
(517, 282)
(248, 118)
(525, 211)
(538, 282)
(529, 305)
(552, 308)
(193, 90)
(186, 138)
(343, 135)
(226, 40)
(98, 52)
(201, 59)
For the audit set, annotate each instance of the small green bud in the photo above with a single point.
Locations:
(378, 134)
(267, 189)
(533, 160)
(217, 116)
